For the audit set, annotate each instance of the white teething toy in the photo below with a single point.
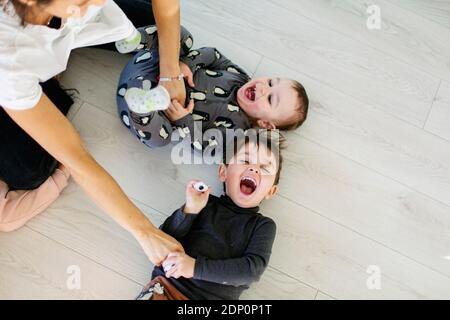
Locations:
(168, 267)
(201, 187)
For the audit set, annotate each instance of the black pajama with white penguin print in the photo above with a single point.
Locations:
(216, 79)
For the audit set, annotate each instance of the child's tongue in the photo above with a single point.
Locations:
(246, 189)
(252, 95)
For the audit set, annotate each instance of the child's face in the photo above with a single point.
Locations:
(271, 101)
(250, 176)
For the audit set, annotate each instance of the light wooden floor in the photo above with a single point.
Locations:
(366, 181)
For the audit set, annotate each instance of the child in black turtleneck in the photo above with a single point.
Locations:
(227, 241)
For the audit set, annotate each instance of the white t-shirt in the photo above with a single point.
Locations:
(34, 53)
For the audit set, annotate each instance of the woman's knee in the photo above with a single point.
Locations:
(30, 176)
(31, 181)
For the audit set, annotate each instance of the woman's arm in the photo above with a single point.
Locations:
(51, 129)
(167, 16)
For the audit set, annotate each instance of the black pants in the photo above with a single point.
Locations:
(24, 164)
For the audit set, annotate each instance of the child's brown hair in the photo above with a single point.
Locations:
(273, 140)
(301, 110)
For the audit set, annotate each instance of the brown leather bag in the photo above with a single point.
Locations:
(161, 289)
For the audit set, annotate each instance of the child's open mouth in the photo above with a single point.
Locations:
(250, 93)
(248, 185)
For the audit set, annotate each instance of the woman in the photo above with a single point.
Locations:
(35, 134)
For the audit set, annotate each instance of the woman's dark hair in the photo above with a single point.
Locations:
(21, 9)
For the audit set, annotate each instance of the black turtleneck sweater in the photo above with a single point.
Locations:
(231, 245)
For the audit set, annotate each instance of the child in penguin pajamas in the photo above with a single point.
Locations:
(220, 95)
(227, 242)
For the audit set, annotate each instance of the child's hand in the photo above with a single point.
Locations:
(176, 111)
(195, 200)
(182, 265)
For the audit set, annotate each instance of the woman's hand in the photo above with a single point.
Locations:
(195, 200)
(176, 89)
(157, 245)
(187, 72)
(181, 265)
(176, 111)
